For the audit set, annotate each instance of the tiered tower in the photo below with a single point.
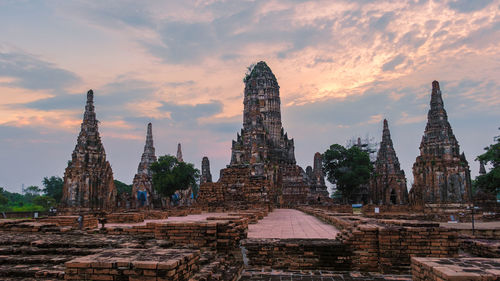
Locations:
(317, 177)
(263, 167)
(142, 187)
(179, 153)
(206, 176)
(388, 184)
(441, 174)
(262, 138)
(88, 179)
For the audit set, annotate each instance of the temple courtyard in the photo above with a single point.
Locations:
(304, 243)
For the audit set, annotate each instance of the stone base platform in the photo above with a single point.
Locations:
(319, 275)
(444, 269)
(134, 264)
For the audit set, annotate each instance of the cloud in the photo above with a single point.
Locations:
(390, 65)
(32, 73)
(466, 6)
(112, 95)
(185, 113)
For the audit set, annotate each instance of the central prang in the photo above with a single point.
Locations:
(262, 138)
(263, 167)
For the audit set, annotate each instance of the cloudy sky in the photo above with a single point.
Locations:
(342, 67)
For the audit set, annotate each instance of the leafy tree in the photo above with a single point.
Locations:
(32, 190)
(3, 200)
(44, 201)
(53, 187)
(348, 169)
(170, 175)
(490, 182)
(122, 187)
(30, 193)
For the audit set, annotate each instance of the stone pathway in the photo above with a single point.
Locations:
(290, 223)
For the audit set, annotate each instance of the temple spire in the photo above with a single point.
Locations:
(482, 169)
(142, 186)
(179, 153)
(441, 173)
(149, 137)
(386, 134)
(148, 156)
(89, 117)
(388, 184)
(206, 176)
(436, 97)
(88, 179)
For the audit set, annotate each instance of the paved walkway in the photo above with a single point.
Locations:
(289, 223)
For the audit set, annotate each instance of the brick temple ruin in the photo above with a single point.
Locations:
(88, 179)
(142, 187)
(206, 175)
(263, 167)
(317, 177)
(441, 173)
(388, 182)
(235, 231)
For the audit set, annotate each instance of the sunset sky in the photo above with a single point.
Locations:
(342, 67)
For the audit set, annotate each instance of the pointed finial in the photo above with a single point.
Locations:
(150, 129)
(149, 136)
(436, 98)
(435, 85)
(179, 153)
(482, 169)
(90, 96)
(386, 134)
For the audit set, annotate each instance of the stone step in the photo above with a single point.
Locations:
(30, 278)
(35, 259)
(37, 271)
(26, 250)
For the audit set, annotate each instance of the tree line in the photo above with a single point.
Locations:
(169, 175)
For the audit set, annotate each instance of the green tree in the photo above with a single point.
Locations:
(53, 187)
(3, 200)
(170, 175)
(490, 182)
(348, 169)
(44, 201)
(30, 193)
(122, 187)
(32, 190)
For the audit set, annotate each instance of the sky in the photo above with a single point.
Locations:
(342, 67)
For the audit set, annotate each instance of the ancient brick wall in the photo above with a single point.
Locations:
(388, 245)
(134, 264)
(89, 221)
(481, 247)
(388, 248)
(442, 269)
(297, 254)
(124, 217)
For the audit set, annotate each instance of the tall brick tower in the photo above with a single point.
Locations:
(262, 137)
(388, 184)
(441, 173)
(263, 167)
(88, 179)
(143, 181)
